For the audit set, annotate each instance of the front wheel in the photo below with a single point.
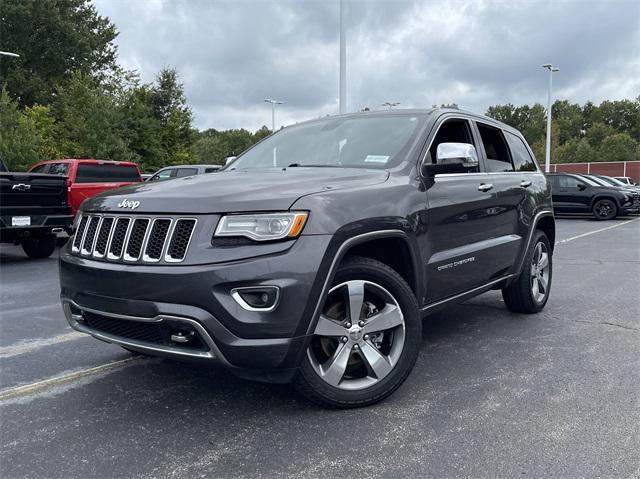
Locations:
(529, 292)
(366, 340)
(40, 246)
(605, 209)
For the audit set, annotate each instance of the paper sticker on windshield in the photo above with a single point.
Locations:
(376, 159)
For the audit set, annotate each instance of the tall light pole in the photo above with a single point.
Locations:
(343, 62)
(391, 104)
(547, 157)
(273, 112)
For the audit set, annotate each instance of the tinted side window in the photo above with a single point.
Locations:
(106, 173)
(162, 175)
(569, 181)
(495, 146)
(522, 160)
(39, 169)
(210, 170)
(553, 179)
(186, 172)
(452, 131)
(59, 169)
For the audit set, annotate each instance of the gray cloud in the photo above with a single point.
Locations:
(232, 54)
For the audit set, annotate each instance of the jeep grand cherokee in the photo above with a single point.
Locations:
(314, 255)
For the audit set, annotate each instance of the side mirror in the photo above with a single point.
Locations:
(229, 159)
(453, 158)
(582, 186)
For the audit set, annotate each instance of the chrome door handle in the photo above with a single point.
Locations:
(485, 187)
(525, 183)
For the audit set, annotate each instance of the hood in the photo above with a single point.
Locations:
(270, 189)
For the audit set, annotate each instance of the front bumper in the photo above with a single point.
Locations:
(136, 306)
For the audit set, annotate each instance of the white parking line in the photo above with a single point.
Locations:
(31, 345)
(595, 231)
(57, 381)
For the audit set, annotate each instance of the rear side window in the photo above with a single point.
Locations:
(522, 160)
(106, 173)
(210, 170)
(186, 172)
(569, 181)
(59, 169)
(495, 147)
(39, 168)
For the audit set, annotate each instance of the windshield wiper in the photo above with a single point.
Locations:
(294, 165)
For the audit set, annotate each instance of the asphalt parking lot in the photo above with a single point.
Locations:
(493, 394)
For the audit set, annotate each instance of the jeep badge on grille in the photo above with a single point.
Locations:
(128, 204)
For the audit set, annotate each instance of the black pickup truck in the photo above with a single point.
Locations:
(33, 208)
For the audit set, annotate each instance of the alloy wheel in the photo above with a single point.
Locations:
(540, 272)
(359, 337)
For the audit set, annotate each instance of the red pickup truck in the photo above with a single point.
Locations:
(88, 177)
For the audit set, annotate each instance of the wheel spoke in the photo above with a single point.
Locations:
(328, 327)
(542, 284)
(356, 300)
(534, 288)
(374, 361)
(543, 262)
(333, 370)
(389, 317)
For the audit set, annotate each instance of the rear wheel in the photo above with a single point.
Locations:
(367, 338)
(39, 246)
(605, 209)
(530, 291)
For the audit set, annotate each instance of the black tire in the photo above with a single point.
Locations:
(39, 247)
(519, 296)
(134, 352)
(604, 209)
(310, 384)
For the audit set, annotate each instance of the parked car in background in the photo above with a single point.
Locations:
(33, 208)
(580, 194)
(615, 182)
(180, 171)
(88, 177)
(626, 179)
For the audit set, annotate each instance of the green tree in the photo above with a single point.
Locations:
(618, 147)
(175, 118)
(53, 38)
(89, 121)
(18, 140)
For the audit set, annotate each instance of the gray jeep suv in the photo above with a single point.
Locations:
(313, 256)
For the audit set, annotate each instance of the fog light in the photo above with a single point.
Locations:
(258, 298)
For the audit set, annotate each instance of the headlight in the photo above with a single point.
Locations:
(262, 227)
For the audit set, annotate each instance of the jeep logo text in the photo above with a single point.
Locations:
(128, 204)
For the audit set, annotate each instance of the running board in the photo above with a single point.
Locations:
(433, 307)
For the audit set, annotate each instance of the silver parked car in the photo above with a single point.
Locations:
(178, 171)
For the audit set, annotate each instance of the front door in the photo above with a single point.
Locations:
(459, 235)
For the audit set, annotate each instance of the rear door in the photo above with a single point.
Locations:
(92, 178)
(508, 208)
(460, 239)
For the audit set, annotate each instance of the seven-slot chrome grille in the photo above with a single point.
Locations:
(132, 238)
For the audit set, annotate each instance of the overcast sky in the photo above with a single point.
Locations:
(233, 54)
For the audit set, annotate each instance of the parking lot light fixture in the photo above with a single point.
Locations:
(547, 157)
(9, 54)
(273, 111)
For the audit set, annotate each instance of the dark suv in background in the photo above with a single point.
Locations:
(574, 193)
(313, 256)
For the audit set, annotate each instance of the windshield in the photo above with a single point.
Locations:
(590, 181)
(612, 181)
(354, 142)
